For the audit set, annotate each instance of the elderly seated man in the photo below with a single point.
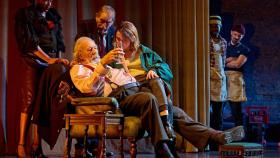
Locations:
(88, 77)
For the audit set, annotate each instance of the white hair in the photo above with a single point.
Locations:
(79, 47)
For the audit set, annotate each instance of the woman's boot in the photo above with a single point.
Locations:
(37, 151)
(24, 118)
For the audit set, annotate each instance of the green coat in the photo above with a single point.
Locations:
(150, 60)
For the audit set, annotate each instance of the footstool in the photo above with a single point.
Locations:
(241, 150)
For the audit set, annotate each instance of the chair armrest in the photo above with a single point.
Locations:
(90, 101)
(84, 101)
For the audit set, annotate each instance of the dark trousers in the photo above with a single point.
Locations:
(145, 106)
(216, 116)
(236, 111)
(157, 88)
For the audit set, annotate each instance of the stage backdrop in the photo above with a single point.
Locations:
(175, 29)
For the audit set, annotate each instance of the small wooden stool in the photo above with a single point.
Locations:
(99, 119)
(241, 150)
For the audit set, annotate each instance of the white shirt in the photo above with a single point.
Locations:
(117, 77)
(88, 81)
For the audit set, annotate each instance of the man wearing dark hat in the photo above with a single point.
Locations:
(237, 55)
(218, 91)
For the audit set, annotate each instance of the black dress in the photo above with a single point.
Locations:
(32, 29)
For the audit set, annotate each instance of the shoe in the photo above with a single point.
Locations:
(234, 134)
(37, 152)
(109, 154)
(162, 150)
(172, 148)
(169, 131)
(213, 146)
(21, 151)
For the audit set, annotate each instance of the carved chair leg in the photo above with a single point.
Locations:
(120, 148)
(100, 153)
(133, 147)
(85, 142)
(104, 140)
(67, 145)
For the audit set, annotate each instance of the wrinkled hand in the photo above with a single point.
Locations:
(112, 56)
(151, 74)
(63, 90)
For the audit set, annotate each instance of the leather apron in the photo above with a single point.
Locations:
(218, 87)
(236, 86)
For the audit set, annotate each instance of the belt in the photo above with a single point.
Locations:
(130, 85)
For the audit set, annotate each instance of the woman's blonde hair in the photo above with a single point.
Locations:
(79, 47)
(129, 31)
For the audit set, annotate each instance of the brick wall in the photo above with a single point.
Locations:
(262, 71)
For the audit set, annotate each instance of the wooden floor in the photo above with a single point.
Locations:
(268, 153)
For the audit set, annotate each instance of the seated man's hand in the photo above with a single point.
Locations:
(63, 88)
(112, 56)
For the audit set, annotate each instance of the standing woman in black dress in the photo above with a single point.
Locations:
(39, 37)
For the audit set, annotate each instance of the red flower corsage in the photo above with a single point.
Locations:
(50, 25)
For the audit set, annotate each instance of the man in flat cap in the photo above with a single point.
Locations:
(218, 91)
(237, 55)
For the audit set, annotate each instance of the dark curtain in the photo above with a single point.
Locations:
(3, 63)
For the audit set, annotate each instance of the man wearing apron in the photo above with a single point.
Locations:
(237, 55)
(218, 91)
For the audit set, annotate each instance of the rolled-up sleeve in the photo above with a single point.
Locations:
(86, 80)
